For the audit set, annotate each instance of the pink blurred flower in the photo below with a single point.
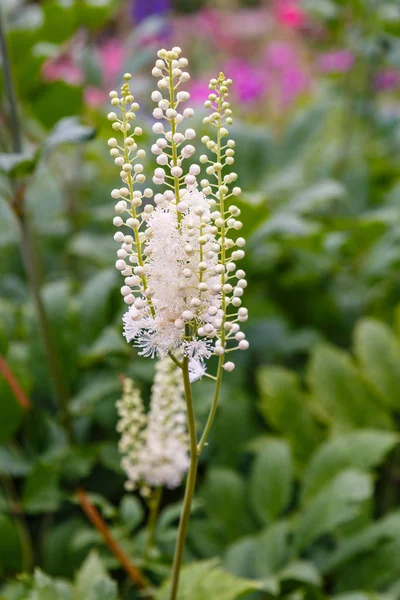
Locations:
(249, 81)
(280, 55)
(62, 68)
(387, 79)
(288, 13)
(287, 72)
(112, 56)
(94, 97)
(294, 82)
(339, 61)
(199, 91)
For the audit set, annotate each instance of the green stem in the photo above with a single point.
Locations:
(20, 523)
(154, 505)
(190, 484)
(30, 258)
(213, 408)
(10, 91)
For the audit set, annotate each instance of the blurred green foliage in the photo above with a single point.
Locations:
(299, 486)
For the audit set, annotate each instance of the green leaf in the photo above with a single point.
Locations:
(378, 350)
(224, 494)
(301, 571)
(240, 556)
(18, 165)
(41, 492)
(45, 588)
(96, 314)
(362, 450)
(10, 546)
(101, 385)
(339, 502)
(271, 480)
(68, 130)
(367, 540)
(371, 570)
(93, 580)
(271, 550)
(287, 409)
(13, 463)
(340, 388)
(131, 511)
(206, 579)
(317, 196)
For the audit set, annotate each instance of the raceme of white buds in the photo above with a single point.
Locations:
(179, 261)
(154, 446)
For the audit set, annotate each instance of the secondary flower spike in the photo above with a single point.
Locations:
(154, 446)
(177, 255)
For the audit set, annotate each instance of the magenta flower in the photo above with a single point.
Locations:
(387, 79)
(199, 91)
(62, 68)
(250, 82)
(339, 61)
(288, 13)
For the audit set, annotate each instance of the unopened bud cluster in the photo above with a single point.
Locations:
(182, 282)
(154, 446)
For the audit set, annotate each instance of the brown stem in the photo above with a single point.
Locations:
(97, 520)
(14, 385)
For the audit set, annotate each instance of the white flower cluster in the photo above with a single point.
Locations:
(154, 446)
(181, 278)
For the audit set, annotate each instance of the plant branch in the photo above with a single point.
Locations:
(214, 406)
(190, 483)
(154, 505)
(20, 523)
(14, 385)
(97, 520)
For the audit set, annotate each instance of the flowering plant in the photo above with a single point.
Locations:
(182, 284)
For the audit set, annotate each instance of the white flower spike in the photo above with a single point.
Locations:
(181, 281)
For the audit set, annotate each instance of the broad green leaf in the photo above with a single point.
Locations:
(340, 388)
(96, 248)
(110, 341)
(378, 350)
(131, 511)
(46, 105)
(339, 502)
(371, 570)
(10, 545)
(240, 556)
(68, 130)
(17, 165)
(90, 580)
(45, 588)
(271, 550)
(367, 540)
(364, 449)
(224, 494)
(271, 480)
(97, 314)
(206, 579)
(13, 463)
(318, 196)
(287, 409)
(41, 492)
(102, 384)
(301, 571)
